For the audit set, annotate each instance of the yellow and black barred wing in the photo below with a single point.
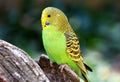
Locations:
(73, 49)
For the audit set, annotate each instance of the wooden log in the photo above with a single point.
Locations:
(18, 66)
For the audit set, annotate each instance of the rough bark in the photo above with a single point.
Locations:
(17, 66)
(54, 73)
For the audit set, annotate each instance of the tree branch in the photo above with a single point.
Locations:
(54, 74)
(17, 66)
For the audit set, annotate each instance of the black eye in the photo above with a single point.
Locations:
(49, 15)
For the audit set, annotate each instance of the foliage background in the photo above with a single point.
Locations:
(96, 23)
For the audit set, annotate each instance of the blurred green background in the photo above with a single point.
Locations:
(96, 23)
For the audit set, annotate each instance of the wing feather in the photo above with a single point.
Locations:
(73, 49)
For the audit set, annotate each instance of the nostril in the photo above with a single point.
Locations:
(47, 23)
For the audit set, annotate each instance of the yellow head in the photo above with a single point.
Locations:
(55, 17)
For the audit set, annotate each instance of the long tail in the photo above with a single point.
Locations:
(84, 74)
(83, 70)
(84, 67)
(88, 68)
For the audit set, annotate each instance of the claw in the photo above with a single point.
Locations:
(52, 64)
(61, 67)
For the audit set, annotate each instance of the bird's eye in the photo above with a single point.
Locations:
(49, 15)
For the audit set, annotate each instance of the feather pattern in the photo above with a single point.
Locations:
(73, 49)
(72, 44)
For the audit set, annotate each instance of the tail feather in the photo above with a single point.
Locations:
(84, 76)
(87, 67)
(83, 68)
(81, 65)
(83, 73)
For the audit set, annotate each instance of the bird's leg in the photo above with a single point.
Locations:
(61, 67)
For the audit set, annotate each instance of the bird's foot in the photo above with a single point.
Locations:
(51, 64)
(61, 67)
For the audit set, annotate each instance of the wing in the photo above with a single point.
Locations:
(73, 49)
